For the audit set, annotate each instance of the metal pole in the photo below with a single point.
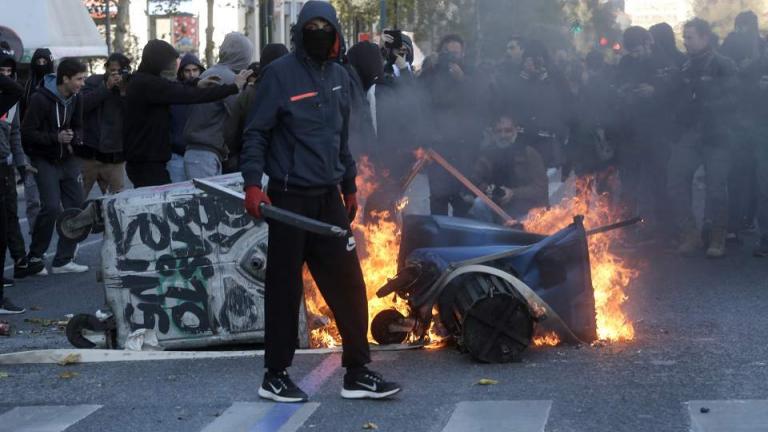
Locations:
(383, 12)
(107, 25)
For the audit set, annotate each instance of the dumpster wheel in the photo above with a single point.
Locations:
(64, 229)
(81, 323)
(380, 327)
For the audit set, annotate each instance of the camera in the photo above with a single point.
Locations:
(397, 35)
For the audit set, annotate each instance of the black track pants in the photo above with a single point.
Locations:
(335, 267)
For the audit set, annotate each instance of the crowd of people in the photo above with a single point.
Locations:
(653, 119)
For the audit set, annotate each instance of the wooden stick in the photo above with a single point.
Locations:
(415, 170)
(435, 156)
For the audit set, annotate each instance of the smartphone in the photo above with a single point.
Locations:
(397, 35)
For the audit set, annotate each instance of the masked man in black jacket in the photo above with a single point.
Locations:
(150, 93)
(297, 133)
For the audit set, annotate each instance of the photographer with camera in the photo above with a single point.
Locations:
(453, 121)
(511, 173)
(101, 154)
(397, 48)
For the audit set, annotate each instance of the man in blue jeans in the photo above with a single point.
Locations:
(52, 127)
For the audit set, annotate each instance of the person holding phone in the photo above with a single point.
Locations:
(50, 131)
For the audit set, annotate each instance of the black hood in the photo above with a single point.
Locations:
(188, 59)
(7, 57)
(271, 52)
(318, 9)
(39, 72)
(408, 43)
(365, 57)
(157, 56)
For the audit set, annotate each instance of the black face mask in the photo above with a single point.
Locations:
(318, 43)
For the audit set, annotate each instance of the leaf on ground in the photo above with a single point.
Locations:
(69, 359)
(68, 375)
(486, 381)
(41, 321)
(4, 375)
(370, 426)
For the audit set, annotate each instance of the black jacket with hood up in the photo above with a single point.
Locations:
(297, 129)
(148, 98)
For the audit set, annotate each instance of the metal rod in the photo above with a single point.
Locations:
(617, 225)
(435, 156)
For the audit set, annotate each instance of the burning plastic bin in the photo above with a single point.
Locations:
(188, 267)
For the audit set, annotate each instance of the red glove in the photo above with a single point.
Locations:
(254, 196)
(350, 203)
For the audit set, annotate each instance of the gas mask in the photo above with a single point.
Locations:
(318, 43)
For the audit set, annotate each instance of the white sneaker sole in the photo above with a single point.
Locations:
(7, 312)
(366, 394)
(265, 394)
(57, 270)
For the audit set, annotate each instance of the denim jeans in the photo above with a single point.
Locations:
(201, 164)
(175, 168)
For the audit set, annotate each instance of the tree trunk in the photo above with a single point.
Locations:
(121, 26)
(209, 36)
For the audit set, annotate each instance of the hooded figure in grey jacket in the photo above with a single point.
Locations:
(203, 133)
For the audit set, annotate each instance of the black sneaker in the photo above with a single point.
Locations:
(28, 267)
(761, 250)
(7, 283)
(363, 383)
(8, 308)
(279, 388)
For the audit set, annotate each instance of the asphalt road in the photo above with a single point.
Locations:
(700, 343)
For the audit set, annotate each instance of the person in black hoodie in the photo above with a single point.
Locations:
(147, 139)
(51, 129)
(10, 93)
(41, 65)
(297, 133)
(190, 69)
(102, 153)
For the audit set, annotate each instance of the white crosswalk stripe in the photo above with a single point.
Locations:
(493, 416)
(258, 416)
(729, 415)
(44, 418)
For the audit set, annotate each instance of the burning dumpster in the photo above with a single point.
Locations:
(185, 265)
(490, 285)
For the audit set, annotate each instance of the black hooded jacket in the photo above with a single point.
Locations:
(148, 98)
(297, 129)
(180, 113)
(37, 73)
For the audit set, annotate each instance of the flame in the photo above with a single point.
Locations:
(611, 275)
(378, 242)
(548, 339)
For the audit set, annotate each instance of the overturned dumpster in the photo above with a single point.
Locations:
(183, 265)
(490, 286)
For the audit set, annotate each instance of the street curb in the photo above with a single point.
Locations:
(51, 356)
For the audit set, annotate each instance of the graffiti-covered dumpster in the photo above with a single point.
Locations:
(180, 265)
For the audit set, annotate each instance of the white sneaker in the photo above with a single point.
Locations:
(70, 267)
